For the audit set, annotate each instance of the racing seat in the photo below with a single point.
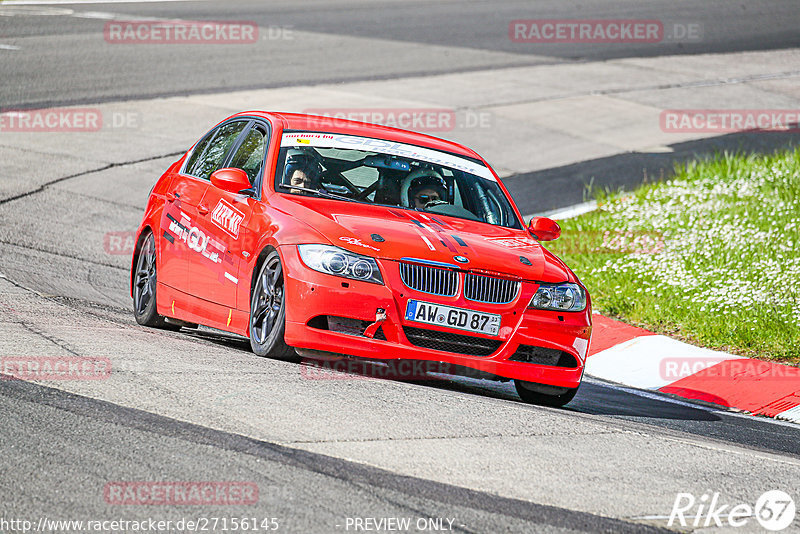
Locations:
(388, 191)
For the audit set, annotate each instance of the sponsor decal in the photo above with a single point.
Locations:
(325, 140)
(227, 218)
(513, 242)
(357, 242)
(194, 238)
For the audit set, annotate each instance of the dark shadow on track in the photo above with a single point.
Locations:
(346, 483)
(539, 191)
(597, 399)
(593, 398)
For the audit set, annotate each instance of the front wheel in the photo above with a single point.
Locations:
(268, 311)
(544, 395)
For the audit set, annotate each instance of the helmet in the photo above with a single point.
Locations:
(300, 160)
(420, 179)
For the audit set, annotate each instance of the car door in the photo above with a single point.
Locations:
(226, 215)
(185, 239)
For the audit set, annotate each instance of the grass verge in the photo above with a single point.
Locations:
(711, 256)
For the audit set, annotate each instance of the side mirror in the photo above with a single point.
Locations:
(231, 180)
(544, 229)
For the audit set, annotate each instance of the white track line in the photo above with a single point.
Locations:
(566, 212)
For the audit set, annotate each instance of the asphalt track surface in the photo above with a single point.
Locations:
(197, 405)
(352, 40)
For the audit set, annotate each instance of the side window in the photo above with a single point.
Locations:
(251, 154)
(210, 153)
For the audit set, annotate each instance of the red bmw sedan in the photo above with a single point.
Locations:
(308, 234)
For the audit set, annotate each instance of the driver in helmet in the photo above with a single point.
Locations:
(301, 170)
(424, 186)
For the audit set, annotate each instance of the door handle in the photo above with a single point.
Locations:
(202, 210)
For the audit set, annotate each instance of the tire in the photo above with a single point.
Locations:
(544, 395)
(145, 286)
(268, 311)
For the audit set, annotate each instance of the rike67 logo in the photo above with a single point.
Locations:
(228, 218)
(774, 510)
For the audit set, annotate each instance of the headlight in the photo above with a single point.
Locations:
(340, 262)
(560, 297)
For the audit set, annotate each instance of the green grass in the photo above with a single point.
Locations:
(711, 256)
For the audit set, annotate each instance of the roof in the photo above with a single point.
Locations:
(300, 121)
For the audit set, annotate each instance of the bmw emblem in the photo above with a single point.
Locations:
(461, 259)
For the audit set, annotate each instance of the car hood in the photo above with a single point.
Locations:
(395, 234)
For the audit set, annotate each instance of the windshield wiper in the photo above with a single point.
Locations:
(320, 192)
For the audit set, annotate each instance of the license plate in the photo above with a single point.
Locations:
(440, 315)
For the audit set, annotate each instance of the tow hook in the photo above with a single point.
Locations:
(380, 317)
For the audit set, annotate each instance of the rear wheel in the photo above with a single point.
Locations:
(268, 311)
(145, 284)
(543, 394)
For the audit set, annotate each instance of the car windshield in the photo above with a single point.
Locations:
(387, 173)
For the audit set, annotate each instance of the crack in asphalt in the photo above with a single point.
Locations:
(59, 343)
(138, 209)
(451, 437)
(62, 255)
(31, 327)
(84, 173)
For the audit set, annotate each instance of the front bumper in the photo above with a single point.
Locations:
(312, 294)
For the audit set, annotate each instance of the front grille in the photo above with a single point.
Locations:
(448, 342)
(489, 289)
(543, 356)
(443, 282)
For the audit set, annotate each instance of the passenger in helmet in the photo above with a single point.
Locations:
(301, 170)
(423, 186)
